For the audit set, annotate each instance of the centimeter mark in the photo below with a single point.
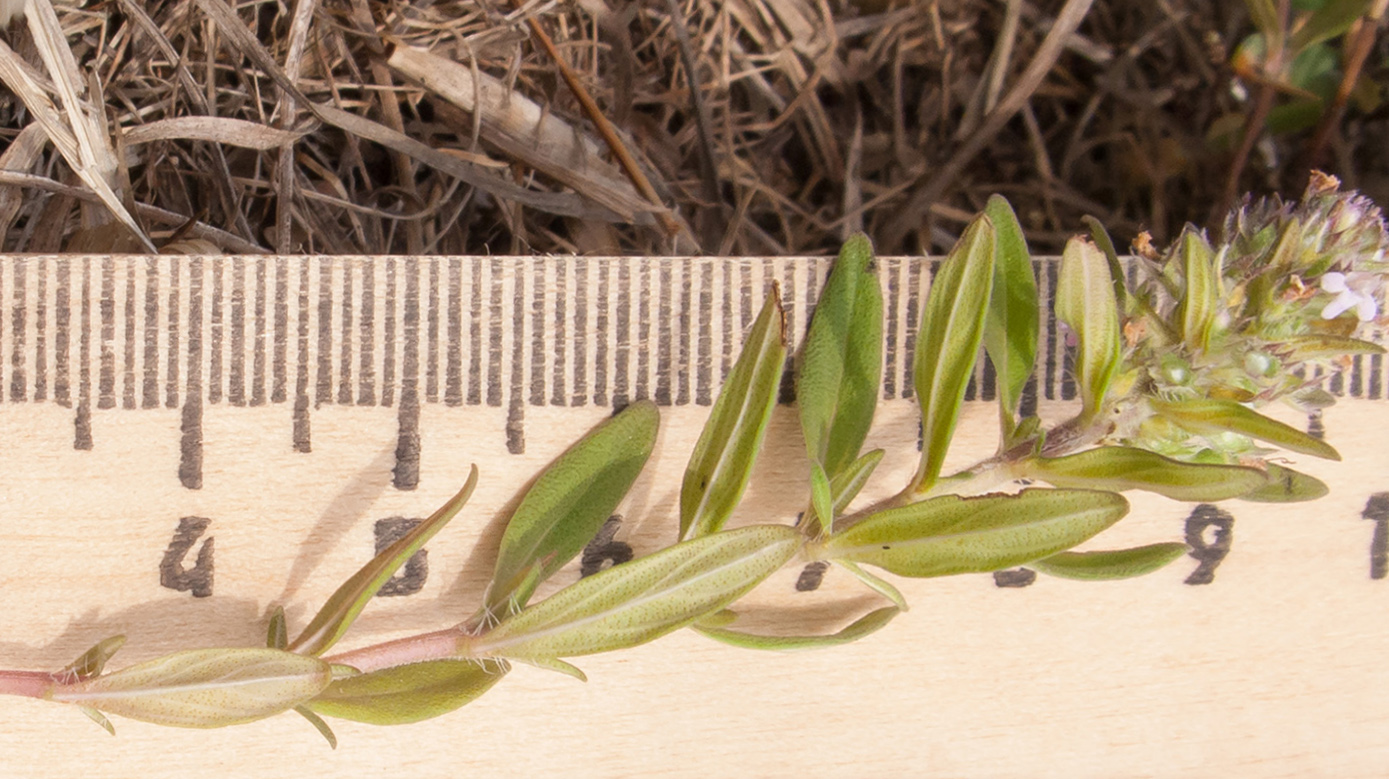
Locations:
(129, 333)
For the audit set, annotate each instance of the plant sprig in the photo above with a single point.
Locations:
(1171, 368)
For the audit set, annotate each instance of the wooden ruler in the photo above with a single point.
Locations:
(191, 441)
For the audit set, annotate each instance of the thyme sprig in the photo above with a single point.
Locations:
(1171, 365)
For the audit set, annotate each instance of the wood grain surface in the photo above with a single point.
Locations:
(177, 462)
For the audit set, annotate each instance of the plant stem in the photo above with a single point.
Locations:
(30, 684)
(439, 645)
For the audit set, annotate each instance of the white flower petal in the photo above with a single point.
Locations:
(1333, 282)
(1343, 303)
(1366, 309)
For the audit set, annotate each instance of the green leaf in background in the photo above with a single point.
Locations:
(642, 600)
(1287, 486)
(947, 343)
(869, 623)
(846, 484)
(723, 458)
(409, 693)
(1110, 564)
(569, 502)
(841, 363)
(1085, 302)
(277, 633)
(1120, 468)
(1331, 19)
(1264, 15)
(1201, 300)
(342, 609)
(1010, 328)
(1208, 417)
(93, 661)
(950, 534)
(204, 688)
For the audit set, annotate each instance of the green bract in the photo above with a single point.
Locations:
(1085, 302)
(1226, 416)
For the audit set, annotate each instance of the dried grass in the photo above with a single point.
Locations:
(718, 126)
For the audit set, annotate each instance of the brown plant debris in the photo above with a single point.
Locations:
(719, 126)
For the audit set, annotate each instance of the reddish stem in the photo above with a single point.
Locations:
(30, 684)
(439, 645)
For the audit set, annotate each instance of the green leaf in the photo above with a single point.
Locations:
(637, 602)
(947, 343)
(1201, 300)
(723, 458)
(92, 661)
(1112, 564)
(337, 615)
(841, 362)
(1287, 486)
(950, 534)
(569, 502)
(1120, 468)
(1332, 19)
(1010, 327)
(319, 725)
(408, 693)
(876, 584)
(204, 688)
(1207, 417)
(1265, 17)
(1319, 347)
(822, 497)
(863, 626)
(1085, 302)
(847, 484)
(277, 633)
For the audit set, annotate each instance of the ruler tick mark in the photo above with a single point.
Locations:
(149, 391)
(279, 365)
(236, 370)
(366, 372)
(453, 366)
(299, 434)
(580, 396)
(106, 381)
(17, 329)
(515, 415)
(259, 335)
(214, 342)
(190, 467)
